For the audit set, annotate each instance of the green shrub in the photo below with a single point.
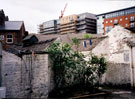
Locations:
(71, 68)
(87, 36)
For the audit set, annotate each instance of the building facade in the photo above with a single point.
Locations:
(68, 24)
(11, 32)
(81, 23)
(124, 17)
(86, 23)
(48, 27)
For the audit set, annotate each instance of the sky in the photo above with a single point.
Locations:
(35, 12)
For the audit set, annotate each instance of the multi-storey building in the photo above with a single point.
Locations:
(48, 27)
(124, 17)
(86, 23)
(68, 24)
(82, 23)
(58, 26)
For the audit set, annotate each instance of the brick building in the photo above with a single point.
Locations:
(11, 32)
(124, 17)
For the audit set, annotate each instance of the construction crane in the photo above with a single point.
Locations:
(62, 12)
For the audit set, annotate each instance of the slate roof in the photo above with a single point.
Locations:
(40, 46)
(46, 40)
(12, 25)
(28, 37)
(67, 38)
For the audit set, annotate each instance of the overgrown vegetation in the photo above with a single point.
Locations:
(71, 68)
(87, 36)
(76, 42)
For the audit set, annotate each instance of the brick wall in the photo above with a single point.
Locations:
(17, 38)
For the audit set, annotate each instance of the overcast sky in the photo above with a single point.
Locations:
(34, 12)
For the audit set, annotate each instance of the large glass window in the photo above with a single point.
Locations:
(9, 38)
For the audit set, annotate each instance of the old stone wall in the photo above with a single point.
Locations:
(117, 74)
(26, 77)
(117, 53)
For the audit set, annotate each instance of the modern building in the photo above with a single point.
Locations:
(11, 32)
(124, 17)
(68, 24)
(48, 27)
(86, 23)
(81, 23)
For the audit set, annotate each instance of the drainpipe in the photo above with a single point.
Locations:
(132, 67)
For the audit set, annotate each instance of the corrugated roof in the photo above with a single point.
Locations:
(12, 25)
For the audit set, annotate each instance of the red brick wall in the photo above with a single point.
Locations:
(123, 22)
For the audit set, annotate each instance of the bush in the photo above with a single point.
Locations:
(71, 68)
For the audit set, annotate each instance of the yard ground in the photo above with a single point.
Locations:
(102, 93)
(115, 93)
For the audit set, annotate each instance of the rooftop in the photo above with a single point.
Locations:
(12, 25)
(116, 10)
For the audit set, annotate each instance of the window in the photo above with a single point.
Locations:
(1, 37)
(106, 29)
(9, 38)
(115, 21)
(111, 21)
(126, 56)
(126, 25)
(132, 25)
(120, 19)
(132, 18)
(110, 28)
(126, 18)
